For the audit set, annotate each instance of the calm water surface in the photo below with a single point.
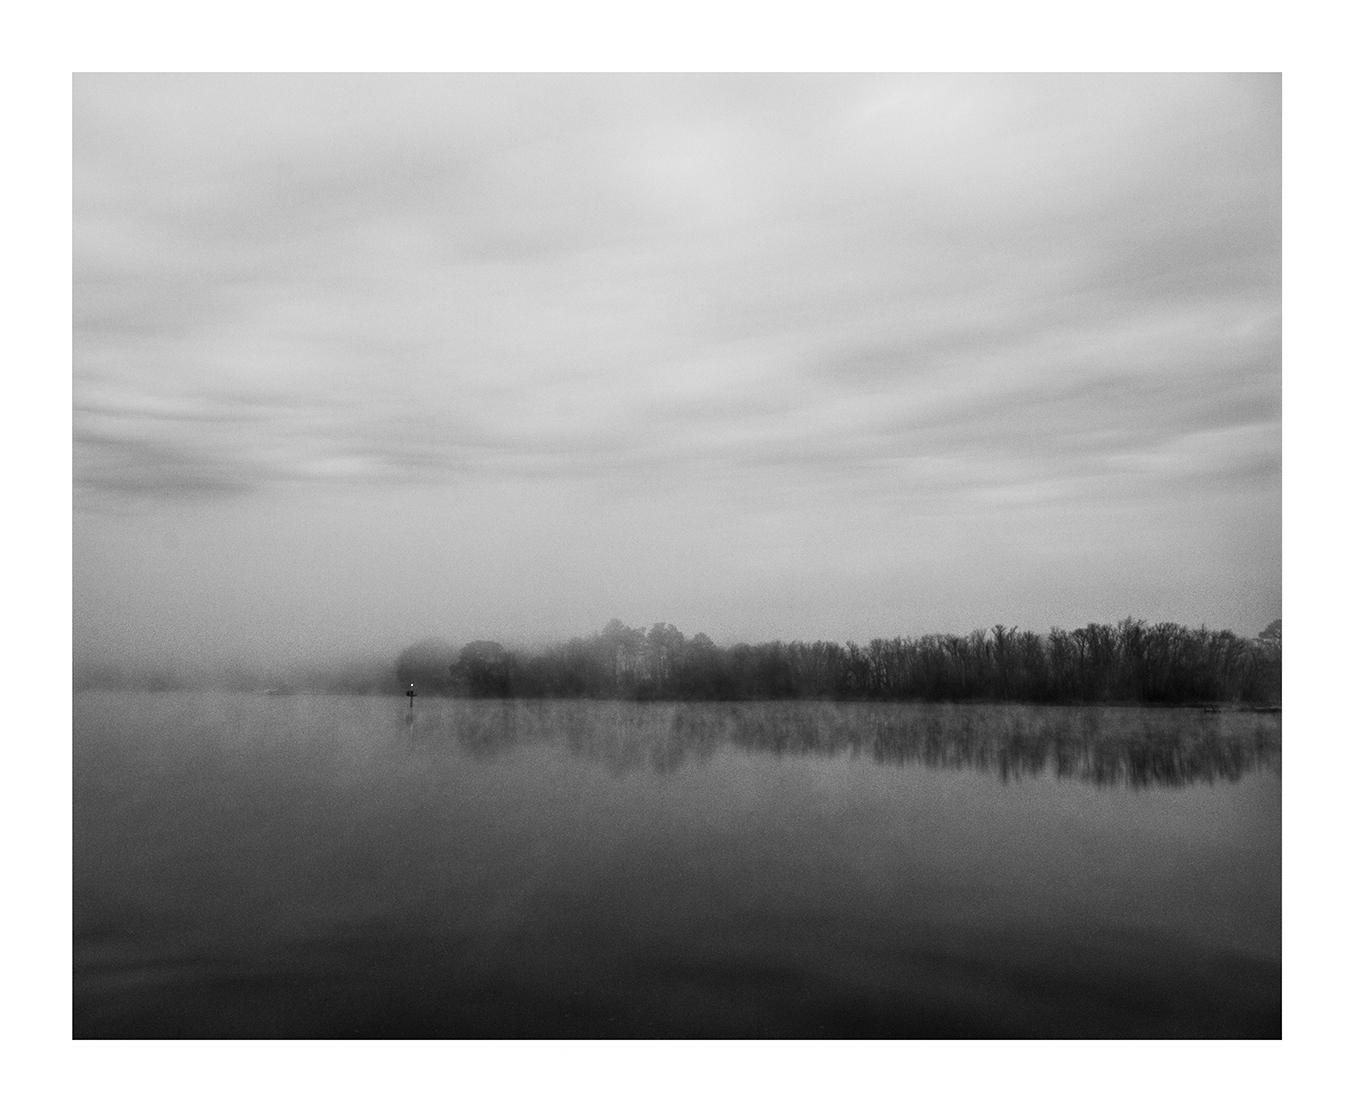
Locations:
(325, 866)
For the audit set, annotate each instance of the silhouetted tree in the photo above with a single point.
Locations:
(1127, 662)
(426, 664)
(484, 668)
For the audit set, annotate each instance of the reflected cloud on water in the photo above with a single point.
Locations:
(1107, 746)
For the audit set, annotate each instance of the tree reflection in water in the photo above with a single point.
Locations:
(1106, 746)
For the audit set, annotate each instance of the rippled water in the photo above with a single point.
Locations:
(328, 866)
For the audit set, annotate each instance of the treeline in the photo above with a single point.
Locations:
(1129, 662)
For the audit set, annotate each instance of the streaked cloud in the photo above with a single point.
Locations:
(966, 295)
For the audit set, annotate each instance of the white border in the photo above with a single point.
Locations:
(1295, 38)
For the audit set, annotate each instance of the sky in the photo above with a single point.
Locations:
(364, 359)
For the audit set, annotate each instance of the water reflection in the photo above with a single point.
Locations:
(323, 867)
(1106, 746)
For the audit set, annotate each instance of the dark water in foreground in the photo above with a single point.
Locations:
(315, 867)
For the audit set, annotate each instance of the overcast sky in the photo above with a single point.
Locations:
(364, 359)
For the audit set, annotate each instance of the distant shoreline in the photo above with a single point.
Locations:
(396, 693)
(1130, 663)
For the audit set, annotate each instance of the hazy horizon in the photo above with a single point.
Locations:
(361, 360)
(330, 661)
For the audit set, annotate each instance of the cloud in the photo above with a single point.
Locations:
(938, 293)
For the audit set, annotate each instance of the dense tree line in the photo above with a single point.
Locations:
(1129, 662)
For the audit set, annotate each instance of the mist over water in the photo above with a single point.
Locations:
(330, 866)
(383, 380)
